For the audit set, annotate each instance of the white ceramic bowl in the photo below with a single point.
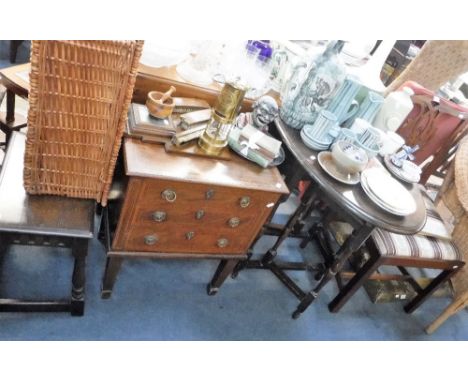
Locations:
(349, 158)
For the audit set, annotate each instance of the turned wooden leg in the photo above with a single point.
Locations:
(110, 274)
(224, 269)
(306, 202)
(457, 305)
(79, 251)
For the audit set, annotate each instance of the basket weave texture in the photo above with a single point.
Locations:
(455, 198)
(78, 102)
(461, 173)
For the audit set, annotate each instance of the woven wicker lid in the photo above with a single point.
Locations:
(461, 173)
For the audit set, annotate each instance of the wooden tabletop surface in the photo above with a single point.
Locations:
(38, 214)
(16, 78)
(152, 160)
(352, 198)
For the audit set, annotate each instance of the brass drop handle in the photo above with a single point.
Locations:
(151, 239)
(199, 214)
(159, 216)
(222, 242)
(244, 201)
(233, 222)
(169, 195)
(189, 235)
(209, 194)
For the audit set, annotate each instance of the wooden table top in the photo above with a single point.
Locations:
(38, 214)
(152, 160)
(352, 198)
(16, 78)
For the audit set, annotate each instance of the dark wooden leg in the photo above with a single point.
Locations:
(354, 284)
(79, 251)
(307, 200)
(14, 45)
(110, 274)
(10, 122)
(10, 106)
(241, 265)
(352, 244)
(299, 226)
(430, 289)
(224, 269)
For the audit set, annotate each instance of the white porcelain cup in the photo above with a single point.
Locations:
(391, 143)
(359, 126)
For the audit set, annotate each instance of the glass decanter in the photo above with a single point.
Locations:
(325, 76)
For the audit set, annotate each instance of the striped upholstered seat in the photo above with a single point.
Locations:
(392, 244)
(432, 242)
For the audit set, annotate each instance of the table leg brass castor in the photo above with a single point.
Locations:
(106, 294)
(211, 290)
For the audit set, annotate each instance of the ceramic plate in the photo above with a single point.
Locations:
(377, 201)
(328, 165)
(312, 144)
(400, 173)
(398, 207)
(388, 191)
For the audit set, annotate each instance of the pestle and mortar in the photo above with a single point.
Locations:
(160, 105)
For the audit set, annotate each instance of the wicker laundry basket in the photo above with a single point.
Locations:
(78, 102)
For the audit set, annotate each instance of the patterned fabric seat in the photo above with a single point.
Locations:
(392, 244)
(432, 242)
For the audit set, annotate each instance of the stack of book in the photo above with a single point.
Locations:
(188, 113)
(141, 124)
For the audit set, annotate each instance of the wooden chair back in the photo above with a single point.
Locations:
(437, 126)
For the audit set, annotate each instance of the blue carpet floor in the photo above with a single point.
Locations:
(166, 300)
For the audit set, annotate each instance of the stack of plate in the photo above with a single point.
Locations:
(315, 143)
(387, 192)
(412, 176)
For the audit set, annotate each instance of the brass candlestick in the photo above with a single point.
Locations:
(223, 115)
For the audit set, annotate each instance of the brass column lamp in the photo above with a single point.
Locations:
(223, 116)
